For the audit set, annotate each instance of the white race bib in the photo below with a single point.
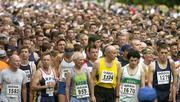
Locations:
(64, 72)
(28, 75)
(107, 76)
(82, 91)
(163, 77)
(12, 90)
(128, 89)
(50, 90)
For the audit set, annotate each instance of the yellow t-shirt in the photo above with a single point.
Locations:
(107, 76)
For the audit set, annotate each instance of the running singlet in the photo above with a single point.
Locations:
(47, 78)
(107, 76)
(162, 77)
(80, 85)
(65, 67)
(130, 85)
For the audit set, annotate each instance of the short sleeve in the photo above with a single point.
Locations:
(25, 79)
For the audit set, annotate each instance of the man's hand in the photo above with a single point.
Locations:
(93, 99)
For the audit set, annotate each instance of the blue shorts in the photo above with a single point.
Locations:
(74, 99)
(61, 88)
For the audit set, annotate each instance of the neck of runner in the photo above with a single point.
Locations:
(46, 69)
(132, 66)
(77, 67)
(108, 60)
(162, 61)
(92, 61)
(13, 69)
(24, 61)
(67, 58)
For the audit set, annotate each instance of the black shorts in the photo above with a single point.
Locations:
(162, 96)
(104, 94)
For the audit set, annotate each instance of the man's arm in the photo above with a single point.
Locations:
(150, 73)
(57, 61)
(33, 69)
(174, 84)
(35, 81)
(24, 93)
(68, 82)
(142, 78)
(118, 80)
(93, 79)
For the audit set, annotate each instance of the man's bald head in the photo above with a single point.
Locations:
(109, 48)
(110, 52)
(14, 61)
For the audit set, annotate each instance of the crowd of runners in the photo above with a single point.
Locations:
(80, 51)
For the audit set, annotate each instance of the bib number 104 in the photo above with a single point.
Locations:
(107, 77)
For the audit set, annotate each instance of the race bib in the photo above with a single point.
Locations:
(28, 75)
(89, 69)
(64, 72)
(50, 90)
(107, 76)
(128, 89)
(12, 90)
(82, 91)
(163, 77)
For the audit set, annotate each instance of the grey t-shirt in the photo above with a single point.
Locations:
(12, 84)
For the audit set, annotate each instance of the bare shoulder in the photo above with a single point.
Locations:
(38, 73)
(97, 62)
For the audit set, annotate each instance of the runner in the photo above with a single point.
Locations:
(148, 58)
(13, 81)
(132, 78)
(44, 80)
(105, 75)
(78, 81)
(160, 75)
(29, 68)
(92, 56)
(64, 63)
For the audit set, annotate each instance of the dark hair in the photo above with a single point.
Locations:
(45, 54)
(134, 54)
(60, 41)
(24, 47)
(163, 46)
(93, 38)
(89, 47)
(46, 46)
(25, 40)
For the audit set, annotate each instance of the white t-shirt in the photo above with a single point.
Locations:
(12, 84)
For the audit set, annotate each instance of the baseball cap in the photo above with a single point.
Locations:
(2, 53)
(147, 94)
